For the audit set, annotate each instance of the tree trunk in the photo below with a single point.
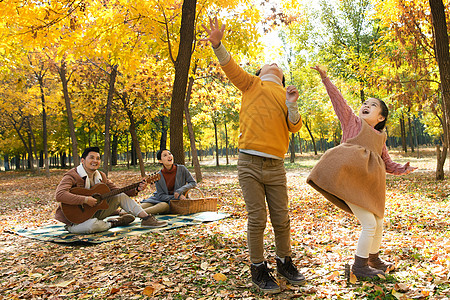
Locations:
(163, 140)
(217, 142)
(443, 60)
(62, 74)
(6, 162)
(411, 141)
(312, 137)
(17, 161)
(44, 126)
(107, 150)
(300, 142)
(403, 134)
(195, 162)
(128, 153)
(416, 138)
(34, 142)
(226, 143)
(440, 157)
(182, 65)
(30, 153)
(114, 145)
(292, 146)
(134, 136)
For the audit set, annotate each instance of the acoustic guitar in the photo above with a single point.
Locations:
(79, 213)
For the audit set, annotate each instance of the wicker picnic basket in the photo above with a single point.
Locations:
(193, 205)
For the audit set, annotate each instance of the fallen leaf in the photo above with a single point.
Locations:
(220, 277)
(398, 295)
(65, 283)
(353, 278)
(401, 287)
(333, 275)
(148, 291)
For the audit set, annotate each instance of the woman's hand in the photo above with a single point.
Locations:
(215, 33)
(179, 196)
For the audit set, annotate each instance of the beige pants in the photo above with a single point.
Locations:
(154, 209)
(372, 230)
(263, 182)
(96, 223)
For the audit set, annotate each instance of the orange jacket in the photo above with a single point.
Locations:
(263, 118)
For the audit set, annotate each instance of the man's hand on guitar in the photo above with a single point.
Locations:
(142, 186)
(91, 201)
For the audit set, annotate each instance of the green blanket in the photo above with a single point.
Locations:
(57, 233)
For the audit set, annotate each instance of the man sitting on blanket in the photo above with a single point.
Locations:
(87, 175)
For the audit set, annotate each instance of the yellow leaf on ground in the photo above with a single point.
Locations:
(398, 295)
(152, 289)
(220, 277)
(148, 291)
(353, 278)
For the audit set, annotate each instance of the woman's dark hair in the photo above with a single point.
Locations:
(90, 149)
(384, 112)
(283, 81)
(159, 153)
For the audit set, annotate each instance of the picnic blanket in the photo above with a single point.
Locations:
(58, 234)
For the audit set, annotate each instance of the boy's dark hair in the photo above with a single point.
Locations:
(384, 112)
(90, 149)
(159, 153)
(283, 81)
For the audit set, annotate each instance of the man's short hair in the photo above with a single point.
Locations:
(159, 153)
(90, 149)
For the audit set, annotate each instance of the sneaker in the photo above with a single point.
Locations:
(151, 222)
(121, 221)
(263, 279)
(289, 271)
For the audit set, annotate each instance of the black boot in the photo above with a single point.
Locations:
(263, 279)
(376, 262)
(361, 268)
(289, 271)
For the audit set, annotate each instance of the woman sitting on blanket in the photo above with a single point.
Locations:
(174, 183)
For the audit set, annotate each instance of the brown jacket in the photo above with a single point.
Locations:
(73, 179)
(354, 172)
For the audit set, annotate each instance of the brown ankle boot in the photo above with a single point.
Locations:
(376, 262)
(361, 268)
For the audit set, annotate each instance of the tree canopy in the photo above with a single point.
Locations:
(76, 73)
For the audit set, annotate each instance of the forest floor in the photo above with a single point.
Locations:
(210, 261)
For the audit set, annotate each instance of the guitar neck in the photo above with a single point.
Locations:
(121, 190)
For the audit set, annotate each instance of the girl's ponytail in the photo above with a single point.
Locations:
(384, 112)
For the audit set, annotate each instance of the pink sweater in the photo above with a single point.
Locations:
(351, 125)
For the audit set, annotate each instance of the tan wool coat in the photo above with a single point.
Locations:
(354, 172)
